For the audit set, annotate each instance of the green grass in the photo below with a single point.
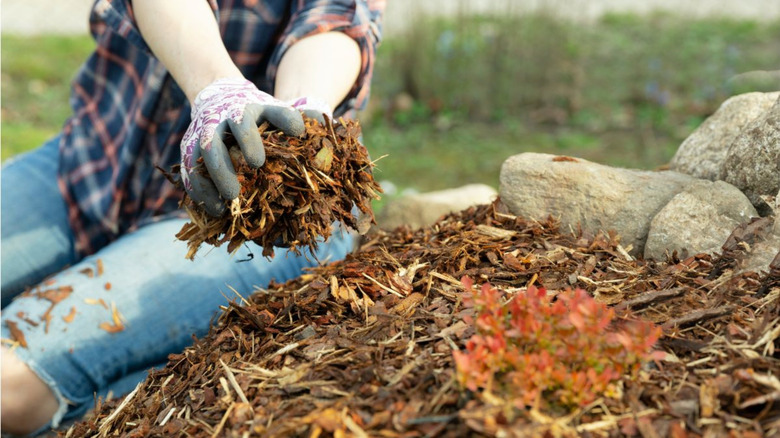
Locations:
(454, 98)
(36, 73)
(625, 91)
(426, 159)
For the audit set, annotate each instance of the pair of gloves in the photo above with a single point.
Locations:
(237, 105)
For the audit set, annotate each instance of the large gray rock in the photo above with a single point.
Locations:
(596, 196)
(702, 154)
(423, 209)
(752, 162)
(698, 219)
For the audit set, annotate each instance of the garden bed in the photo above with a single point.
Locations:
(364, 347)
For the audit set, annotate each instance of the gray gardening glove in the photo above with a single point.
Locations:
(238, 106)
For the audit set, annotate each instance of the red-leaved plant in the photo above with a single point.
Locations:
(536, 351)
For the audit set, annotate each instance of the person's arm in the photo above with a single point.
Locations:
(324, 66)
(318, 71)
(184, 36)
(318, 33)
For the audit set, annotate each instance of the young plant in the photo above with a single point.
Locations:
(536, 350)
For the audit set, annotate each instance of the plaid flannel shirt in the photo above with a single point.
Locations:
(129, 115)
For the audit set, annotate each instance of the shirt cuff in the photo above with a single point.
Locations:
(359, 19)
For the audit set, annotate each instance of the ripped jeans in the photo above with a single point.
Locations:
(98, 324)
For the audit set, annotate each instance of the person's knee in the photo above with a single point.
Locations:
(27, 403)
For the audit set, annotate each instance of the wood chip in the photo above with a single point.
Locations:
(88, 272)
(99, 301)
(116, 325)
(70, 316)
(16, 334)
(364, 346)
(305, 186)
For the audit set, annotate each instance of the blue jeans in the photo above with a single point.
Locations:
(161, 298)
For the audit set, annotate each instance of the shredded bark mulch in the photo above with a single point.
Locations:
(363, 347)
(305, 185)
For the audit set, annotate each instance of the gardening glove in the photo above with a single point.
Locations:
(235, 105)
(313, 108)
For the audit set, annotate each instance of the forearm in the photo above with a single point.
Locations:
(324, 66)
(184, 36)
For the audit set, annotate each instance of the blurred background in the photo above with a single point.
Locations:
(462, 85)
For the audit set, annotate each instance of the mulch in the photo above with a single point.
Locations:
(305, 185)
(363, 347)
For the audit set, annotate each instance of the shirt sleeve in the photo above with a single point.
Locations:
(358, 19)
(118, 16)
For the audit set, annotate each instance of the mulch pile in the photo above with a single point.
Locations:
(305, 185)
(363, 347)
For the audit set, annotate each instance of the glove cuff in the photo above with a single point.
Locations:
(228, 86)
(313, 104)
(219, 86)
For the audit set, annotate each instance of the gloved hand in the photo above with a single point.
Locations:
(312, 107)
(234, 104)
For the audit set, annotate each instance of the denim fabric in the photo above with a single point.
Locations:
(161, 298)
(35, 238)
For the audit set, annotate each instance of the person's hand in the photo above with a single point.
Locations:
(233, 104)
(313, 108)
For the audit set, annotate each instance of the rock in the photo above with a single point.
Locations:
(702, 154)
(764, 252)
(752, 162)
(761, 254)
(423, 209)
(596, 196)
(698, 219)
(750, 247)
(756, 245)
(777, 214)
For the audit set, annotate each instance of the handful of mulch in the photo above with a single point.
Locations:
(306, 184)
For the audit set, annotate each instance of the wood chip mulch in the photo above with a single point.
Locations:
(305, 185)
(363, 347)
